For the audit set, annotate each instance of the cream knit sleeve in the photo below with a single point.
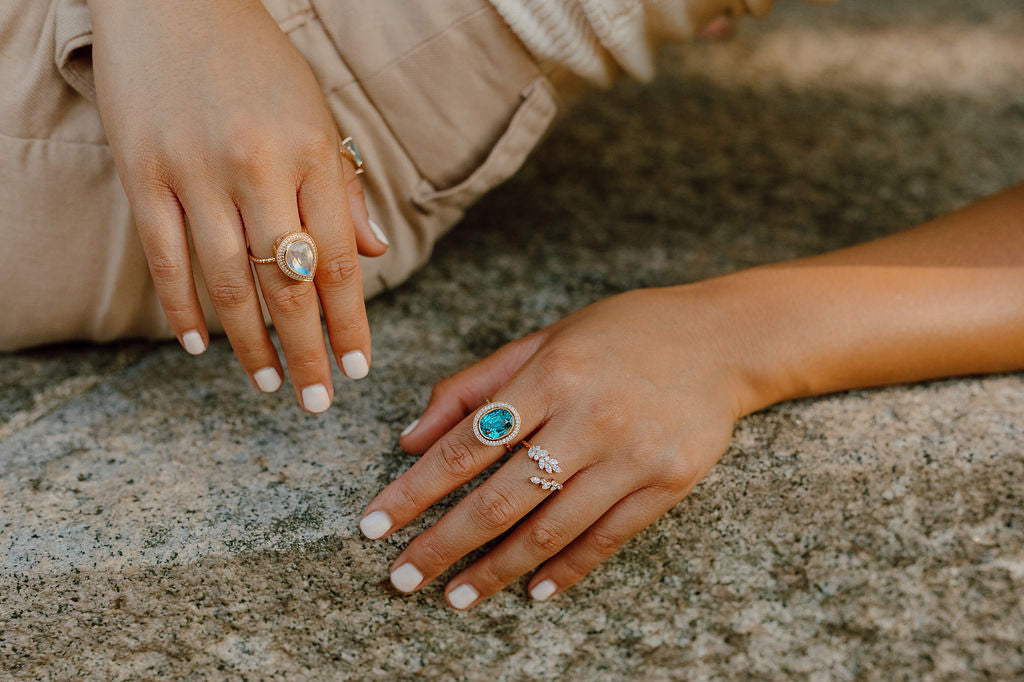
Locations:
(596, 38)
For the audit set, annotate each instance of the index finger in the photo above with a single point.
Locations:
(456, 458)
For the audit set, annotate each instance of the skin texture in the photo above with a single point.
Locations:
(636, 395)
(219, 128)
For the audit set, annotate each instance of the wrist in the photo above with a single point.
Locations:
(936, 301)
(751, 322)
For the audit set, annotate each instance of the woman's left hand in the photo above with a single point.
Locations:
(634, 396)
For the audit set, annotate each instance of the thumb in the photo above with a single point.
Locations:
(456, 396)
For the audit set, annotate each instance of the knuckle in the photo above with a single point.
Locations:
(305, 362)
(493, 508)
(347, 324)
(443, 388)
(249, 153)
(433, 552)
(680, 474)
(318, 145)
(408, 499)
(604, 542)
(230, 293)
(290, 300)
(340, 271)
(611, 416)
(178, 309)
(168, 268)
(150, 166)
(571, 566)
(451, 390)
(547, 538)
(457, 458)
(488, 573)
(566, 369)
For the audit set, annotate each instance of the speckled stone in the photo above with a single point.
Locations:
(158, 521)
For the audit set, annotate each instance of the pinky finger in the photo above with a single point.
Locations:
(161, 227)
(620, 523)
(370, 238)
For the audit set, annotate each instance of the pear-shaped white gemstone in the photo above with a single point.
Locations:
(299, 257)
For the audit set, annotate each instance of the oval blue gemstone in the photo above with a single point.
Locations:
(497, 423)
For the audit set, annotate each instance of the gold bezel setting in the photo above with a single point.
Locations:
(281, 251)
(505, 437)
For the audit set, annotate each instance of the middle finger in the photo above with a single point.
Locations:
(547, 531)
(293, 305)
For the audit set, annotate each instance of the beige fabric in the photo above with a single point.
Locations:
(596, 39)
(442, 98)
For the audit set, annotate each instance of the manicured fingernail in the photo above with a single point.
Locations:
(315, 398)
(375, 524)
(543, 590)
(354, 364)
(408, 429)
(379, 233)
(462, 596)
(267, 379)
(193, 342)
(406, 578)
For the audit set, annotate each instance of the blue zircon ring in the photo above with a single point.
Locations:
(295, 254)
(496, 424)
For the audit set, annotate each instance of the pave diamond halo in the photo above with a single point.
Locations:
(496, 424)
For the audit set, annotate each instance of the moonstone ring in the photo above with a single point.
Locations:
(295, 253)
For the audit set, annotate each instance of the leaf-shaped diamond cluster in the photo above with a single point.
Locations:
(546, 483)
(544, 460)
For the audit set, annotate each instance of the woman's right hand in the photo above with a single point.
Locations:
(214, 116)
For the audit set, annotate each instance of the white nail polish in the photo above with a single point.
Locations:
(462, 596)
(267, 379)
(378, 233)
(406, 578)
(375, 524)
(408, 429)
(354, 364)
(543, 590)
(193, 342)
(315, 398)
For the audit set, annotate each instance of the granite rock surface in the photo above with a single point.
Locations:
(161, 519)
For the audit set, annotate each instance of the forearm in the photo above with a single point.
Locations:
(946, 298)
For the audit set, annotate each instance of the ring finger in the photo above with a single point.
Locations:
(326, 213)
(220, 247)
(587, 496)
(293, 304)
